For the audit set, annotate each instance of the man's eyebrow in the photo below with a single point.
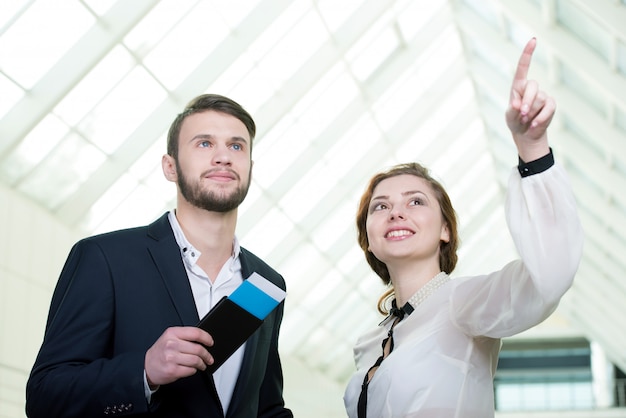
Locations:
(209, 136)
(239, 139)
(201, 136)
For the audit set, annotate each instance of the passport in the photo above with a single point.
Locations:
(237, 316)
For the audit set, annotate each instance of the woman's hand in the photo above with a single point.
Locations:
(530, 111)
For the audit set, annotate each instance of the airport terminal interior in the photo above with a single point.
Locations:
(339, 90)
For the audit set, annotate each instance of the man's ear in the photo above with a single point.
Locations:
(169, 168)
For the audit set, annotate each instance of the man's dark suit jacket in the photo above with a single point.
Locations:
(116, 295)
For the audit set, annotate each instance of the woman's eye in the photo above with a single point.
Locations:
(417, 202)
(379, 206)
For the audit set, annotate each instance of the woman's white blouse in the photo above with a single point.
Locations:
(445, 352)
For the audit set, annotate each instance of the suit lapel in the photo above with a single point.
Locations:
(172, 270)
(175, 279)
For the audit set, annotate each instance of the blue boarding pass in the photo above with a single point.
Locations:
(258, 295)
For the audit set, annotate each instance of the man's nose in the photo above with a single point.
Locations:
(222, 156)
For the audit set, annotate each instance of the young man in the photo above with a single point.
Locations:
(120, 337)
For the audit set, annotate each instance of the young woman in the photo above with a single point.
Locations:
(435, 353)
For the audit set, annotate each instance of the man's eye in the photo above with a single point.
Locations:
(204, 144)
(237, 147)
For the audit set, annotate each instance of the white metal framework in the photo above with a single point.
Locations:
(339, 90)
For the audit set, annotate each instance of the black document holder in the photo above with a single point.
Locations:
(230, 325)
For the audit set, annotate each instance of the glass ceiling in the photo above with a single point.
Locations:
(339, 90)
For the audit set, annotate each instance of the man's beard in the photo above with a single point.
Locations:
(211, 201)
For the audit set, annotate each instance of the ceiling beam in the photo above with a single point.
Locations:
(94, 45)
(153, 127)
(571, 51)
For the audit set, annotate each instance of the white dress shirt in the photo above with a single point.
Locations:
(445, 352)
(206, 295)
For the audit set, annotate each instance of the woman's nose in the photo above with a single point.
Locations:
(395, 214)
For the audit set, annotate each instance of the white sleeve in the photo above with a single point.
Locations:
(543, 220)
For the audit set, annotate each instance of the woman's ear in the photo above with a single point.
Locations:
(169, 168)
(445, 233)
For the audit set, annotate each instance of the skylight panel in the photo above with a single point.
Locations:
(187, 45)
(140, 206)
(11, 94)
(95, 85)
(620, 119)
(324, 288)
(150, 160)
(109, 200)
(273, 34)
(446, 113)
(325, 235)
(264, 149)
(35, 42)
(292, 49)
(592, 148)
(72, 161)
(160, 186)
(9, 10)
(148, 32)
(304, 196)
(235, 74)
(254, 90)
(147, 171)
(371, 286)
(335, 13)
(442, 52)
(122, 110)
(354, 257)
(279, 148)
(101, 214)
(493, 61)
(579, 86)
(301, 126)
(99, 7)
(33, 149)
(354, 145)
(351, 318)
(329, 95)
(486, 10)
(270, 230)
(373, 47)
(584, 28)
(411, 15)
(234, 11)
(300, 258)
(621, 56)
(324, 102)
(372, 50)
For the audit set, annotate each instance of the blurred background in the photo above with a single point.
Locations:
(339, 91)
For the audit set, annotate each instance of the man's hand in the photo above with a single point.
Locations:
(179, 352)
(530, 110)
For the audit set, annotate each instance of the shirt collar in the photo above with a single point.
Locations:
(188, 251)
(420, 296)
